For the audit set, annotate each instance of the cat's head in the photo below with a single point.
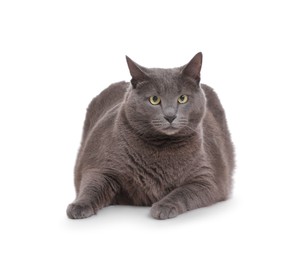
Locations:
(165, 101)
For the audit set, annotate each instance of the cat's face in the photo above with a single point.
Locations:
(165, 101)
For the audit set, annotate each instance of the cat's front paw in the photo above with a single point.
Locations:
(163, 211)
(79, 210)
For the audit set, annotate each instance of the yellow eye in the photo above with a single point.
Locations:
(182, 99)
(154, 100)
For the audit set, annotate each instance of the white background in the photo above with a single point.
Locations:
(56, 55)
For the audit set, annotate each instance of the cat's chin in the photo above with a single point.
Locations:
(170, 130)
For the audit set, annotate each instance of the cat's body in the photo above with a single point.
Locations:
(179, 165)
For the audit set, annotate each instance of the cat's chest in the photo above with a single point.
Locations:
(150, 174)
(162, 168)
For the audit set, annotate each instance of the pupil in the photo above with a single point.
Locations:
(155, 98)
(182, 98)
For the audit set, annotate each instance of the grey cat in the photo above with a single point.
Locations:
(161, 141)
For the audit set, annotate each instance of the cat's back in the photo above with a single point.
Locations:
(106, 100)
(218, 138)
(214, 106)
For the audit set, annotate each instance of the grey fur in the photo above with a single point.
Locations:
(132, 154)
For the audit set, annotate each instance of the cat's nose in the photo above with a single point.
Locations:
(170, 118)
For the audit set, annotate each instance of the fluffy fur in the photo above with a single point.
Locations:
(171, 156)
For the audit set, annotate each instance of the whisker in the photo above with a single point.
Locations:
(192, 129)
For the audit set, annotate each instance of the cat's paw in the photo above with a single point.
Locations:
(163, 211)
(79, 210)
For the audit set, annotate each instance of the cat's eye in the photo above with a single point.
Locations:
(154, 100)
(182, 99)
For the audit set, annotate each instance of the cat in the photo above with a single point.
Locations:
(160, 140)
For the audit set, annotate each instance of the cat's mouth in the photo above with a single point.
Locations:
(167, 128)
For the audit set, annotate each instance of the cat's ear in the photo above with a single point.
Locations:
(192, 69)
(136, 72)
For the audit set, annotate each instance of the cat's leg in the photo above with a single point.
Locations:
(96, 191)
(201, 192)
